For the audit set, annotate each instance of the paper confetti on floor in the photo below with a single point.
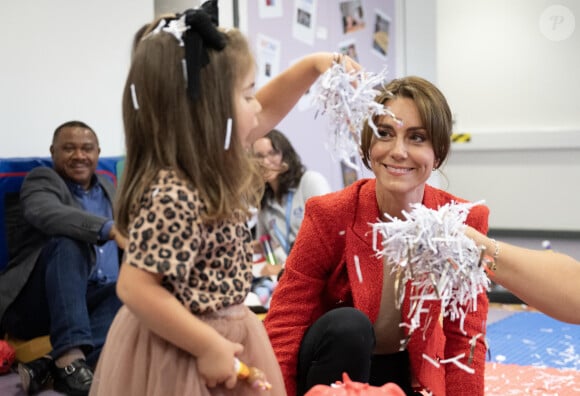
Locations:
(511, 379)
(532, 354)
(534, 339)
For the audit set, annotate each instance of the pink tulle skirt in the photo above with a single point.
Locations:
(135, 361)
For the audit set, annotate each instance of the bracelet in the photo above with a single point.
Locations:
(490, 262)
(495, 247)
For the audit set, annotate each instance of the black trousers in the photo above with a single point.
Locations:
(342, 340)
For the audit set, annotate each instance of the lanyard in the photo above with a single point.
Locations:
(285, 240)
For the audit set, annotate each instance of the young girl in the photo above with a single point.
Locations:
(190, 116)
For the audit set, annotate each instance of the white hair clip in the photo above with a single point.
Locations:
(159, 26)
(228, 134)
(134, 97)
(177, 27)
(184, 70)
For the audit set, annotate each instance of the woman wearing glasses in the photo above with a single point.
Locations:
(288, 186)
(334, 309)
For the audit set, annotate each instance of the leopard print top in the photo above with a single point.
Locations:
(206, 266)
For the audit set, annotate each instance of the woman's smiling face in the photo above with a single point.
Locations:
(403, 158)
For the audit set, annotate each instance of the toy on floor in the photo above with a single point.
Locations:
(7, 356)
(252, 375)
(350, 388)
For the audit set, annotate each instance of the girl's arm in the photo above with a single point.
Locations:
(546, 280)
(163, 314)
(281, 93)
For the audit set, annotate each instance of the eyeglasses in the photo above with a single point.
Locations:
(270, 154)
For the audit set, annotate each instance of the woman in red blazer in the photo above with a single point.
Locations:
(334, 310)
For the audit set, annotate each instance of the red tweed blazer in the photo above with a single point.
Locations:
(320, 275)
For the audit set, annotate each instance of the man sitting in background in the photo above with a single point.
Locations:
(61, 278)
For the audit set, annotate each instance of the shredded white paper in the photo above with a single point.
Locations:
(347, 99)
(429, 249)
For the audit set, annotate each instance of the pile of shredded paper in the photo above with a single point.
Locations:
(429, 249)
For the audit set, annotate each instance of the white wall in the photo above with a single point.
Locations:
(500, 71)
(418, 35)
(173, 6)
(63, 60)
(516, 91)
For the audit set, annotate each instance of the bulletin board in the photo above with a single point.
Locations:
(282, 31)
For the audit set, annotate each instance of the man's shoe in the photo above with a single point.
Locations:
(35, 375)
(74, 379)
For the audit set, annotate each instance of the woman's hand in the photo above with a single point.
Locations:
(477, 236)
(216, 363)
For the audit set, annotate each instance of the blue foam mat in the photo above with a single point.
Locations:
(534, 339)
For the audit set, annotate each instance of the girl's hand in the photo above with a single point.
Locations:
(216, 364)
(115, 235)
(325, 60)
(257, 246)
(349, 64)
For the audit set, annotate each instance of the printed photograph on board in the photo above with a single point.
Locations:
(270, 8)
(348, 47)
(349, 173)
(381, 34)
(352, 16)
(304, 20)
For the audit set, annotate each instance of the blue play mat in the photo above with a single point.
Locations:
(534, 339)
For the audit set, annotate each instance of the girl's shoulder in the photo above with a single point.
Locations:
(168, 186)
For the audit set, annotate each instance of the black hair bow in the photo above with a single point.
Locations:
(202, 33)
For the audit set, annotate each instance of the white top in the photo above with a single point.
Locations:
(311, 184)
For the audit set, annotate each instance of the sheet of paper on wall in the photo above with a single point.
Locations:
(304, 20)
(352, 15)
(270, 8)
(381, 35)
(268, 59)
(348, 47)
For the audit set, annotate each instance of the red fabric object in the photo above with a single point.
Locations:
(321, 275)
(350, 388)
(7, 356)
